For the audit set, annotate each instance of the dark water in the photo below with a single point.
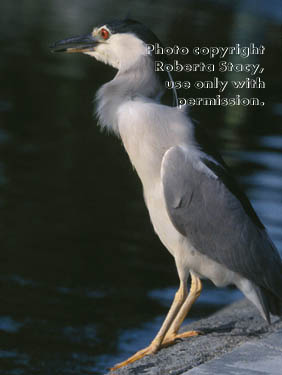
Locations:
(84, 280)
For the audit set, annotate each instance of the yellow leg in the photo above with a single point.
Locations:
(168, 332)
(195, 291)
(155, 345)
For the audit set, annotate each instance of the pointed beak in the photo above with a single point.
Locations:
(82, 43)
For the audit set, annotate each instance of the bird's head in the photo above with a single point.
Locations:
(117, 43)
(123, 45)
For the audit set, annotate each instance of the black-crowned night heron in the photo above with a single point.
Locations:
(196, 208)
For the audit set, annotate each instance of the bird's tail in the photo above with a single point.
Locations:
(271, 303)
(274, 303)
(271, 287)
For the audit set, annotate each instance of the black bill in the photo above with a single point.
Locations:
(80, 43)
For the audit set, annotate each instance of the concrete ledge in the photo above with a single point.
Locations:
(237, 330)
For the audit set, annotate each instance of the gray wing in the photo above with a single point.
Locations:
(218, 221)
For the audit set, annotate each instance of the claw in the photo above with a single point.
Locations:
(140, 354)
(152, 349)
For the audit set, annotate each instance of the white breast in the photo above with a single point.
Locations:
(146, 139)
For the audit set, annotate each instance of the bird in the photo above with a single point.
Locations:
(195, 205)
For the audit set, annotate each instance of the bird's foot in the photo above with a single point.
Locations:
(153, 348)
(170, 339)
(140, 354)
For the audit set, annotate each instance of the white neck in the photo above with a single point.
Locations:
(139, 80)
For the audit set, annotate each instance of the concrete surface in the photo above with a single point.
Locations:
(258, 357)
(235, 341)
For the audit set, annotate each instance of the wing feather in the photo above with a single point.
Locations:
(206, 206)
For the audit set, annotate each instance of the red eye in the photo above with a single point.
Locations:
(104, 34)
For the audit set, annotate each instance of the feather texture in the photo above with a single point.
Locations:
(217, 222)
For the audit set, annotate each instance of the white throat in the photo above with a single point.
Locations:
(138, 80)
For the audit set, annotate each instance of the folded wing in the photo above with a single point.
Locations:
(205, 205)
